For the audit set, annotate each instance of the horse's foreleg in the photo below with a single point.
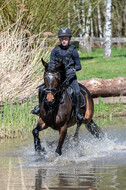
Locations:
(94, 130)
(62, 135)
(40, 126)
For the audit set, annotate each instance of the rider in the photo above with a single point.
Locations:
(70, 59)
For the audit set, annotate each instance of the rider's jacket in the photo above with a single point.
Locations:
(68, 55)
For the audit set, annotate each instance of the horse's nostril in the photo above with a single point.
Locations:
(51, 101)
(50, 97)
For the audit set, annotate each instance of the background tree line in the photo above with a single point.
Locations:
(84, 17)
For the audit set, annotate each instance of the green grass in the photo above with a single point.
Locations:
(16, 119)
(95, 66)
(104, 110)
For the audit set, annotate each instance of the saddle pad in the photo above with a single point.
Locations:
(72, 97)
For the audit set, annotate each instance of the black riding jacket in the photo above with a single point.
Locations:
(69, 56)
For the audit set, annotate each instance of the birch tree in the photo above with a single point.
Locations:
(99, 22)
(84, 24)
(107, 42)
(80, 21)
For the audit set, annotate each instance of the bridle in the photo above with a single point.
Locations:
(54, 91)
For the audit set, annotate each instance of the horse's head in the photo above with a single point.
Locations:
(52, 79)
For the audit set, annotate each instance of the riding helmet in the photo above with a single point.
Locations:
(64, 32)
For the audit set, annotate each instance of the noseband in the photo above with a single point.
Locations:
(51, 90)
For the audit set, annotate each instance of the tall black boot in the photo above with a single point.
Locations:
(78, 115)
(36, 110)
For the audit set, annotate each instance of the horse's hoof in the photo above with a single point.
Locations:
(75, 138)
(43, 150)
(58, 152)
(38, 148)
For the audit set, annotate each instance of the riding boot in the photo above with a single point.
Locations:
(36, 110)
(79, 117)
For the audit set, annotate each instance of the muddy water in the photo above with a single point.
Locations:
(86, 165)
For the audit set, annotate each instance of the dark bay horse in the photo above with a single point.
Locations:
(56, 110)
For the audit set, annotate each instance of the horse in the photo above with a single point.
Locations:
(57, 110)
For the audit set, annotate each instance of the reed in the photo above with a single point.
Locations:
(21, 70)
(16, 119)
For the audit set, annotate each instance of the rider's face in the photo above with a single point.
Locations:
(64, 40)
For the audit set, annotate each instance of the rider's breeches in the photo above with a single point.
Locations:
(76, 87)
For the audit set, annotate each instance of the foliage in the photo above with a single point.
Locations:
(47, 15)
(35, 16)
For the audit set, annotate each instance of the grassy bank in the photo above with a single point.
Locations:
(104, 110)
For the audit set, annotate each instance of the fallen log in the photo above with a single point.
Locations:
(106, 87)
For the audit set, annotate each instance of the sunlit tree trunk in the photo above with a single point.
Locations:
(107, 42)
(99, 22)
(68, 13)
(88, 22)
(81, 21)
(87, 31)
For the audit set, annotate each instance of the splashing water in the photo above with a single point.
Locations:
(87, 148)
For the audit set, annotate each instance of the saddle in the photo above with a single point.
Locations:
(71, 94)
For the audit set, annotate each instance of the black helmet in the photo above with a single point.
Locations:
(64, 32)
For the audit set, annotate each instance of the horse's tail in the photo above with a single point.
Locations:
(89, 111)
(95, 130)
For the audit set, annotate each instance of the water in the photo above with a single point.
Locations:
(86, 165)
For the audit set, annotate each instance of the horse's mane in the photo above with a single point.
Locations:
(54, 66)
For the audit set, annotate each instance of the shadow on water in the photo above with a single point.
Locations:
(88, 164)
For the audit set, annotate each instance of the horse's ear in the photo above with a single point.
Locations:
(43, 62)
(58, 64)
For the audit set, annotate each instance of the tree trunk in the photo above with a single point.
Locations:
(99, 23)
(68, 13)
(119, 24)
(106, 87)
(124, 19)
(107, 43)
(88, 22)
(87, 31)
(81, 22)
